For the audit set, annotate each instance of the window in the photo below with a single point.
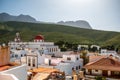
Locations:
(77, 58)
(24, 54)
(16, 56)
(53, 49)
(68, 58)
(79, 66)
(89, 70)
(116, 73)
(50, 49)
(72, 77)
(96, 70)
(76, 68)
(72, 68)
(34, 62)
(29, 61)
(12, 55)
(56, 49)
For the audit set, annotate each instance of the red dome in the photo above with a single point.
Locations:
(39, 37)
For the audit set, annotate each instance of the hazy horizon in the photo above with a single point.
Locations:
(101, 14)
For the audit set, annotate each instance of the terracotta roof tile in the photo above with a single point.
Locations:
(104, 64)
(4, 68)
(44, 70)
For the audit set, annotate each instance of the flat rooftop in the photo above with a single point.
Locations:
(44, 70)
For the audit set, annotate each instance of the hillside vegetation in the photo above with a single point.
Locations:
(53, 32)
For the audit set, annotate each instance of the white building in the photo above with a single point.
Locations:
(80, 47)
(67, 63)
(17, 54)
(10, 70)
(38, 43)
(108, 52)
(19, 49)
(70, 62)
(34, 59)
(14, 73)
(98, 47)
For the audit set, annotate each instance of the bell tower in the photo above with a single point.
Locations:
(17, 37)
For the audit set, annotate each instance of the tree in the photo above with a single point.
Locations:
(84, 57)
(111, 47)
(94, 49)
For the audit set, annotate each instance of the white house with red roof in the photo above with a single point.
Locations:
(38, 43)
(39, 38)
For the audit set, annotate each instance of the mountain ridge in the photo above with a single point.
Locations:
(78, 23)
(21, 18)
(4, 17)
(54, 32)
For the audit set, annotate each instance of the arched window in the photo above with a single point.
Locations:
(52, 49)
(24, 54)
(16, 55)
(29, 61)
(21, 55)
(76, 67)
(77, 58)
(79, 66)
(56, 49)
(72, 68)
(33, 61)
(13, 56)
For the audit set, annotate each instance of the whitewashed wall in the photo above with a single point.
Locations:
(20, 72)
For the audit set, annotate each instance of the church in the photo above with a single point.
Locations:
(38, 43)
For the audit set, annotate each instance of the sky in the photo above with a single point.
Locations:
(101, 14)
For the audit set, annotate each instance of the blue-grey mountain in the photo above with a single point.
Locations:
(4, 17)
(21, 18)
(79, 23)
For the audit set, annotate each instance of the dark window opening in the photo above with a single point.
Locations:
(68, 58)
(79, 67)
(33, 62)
(96, 70)
(16, 56)
(29, 62)
(77, 58)
(76, 68)
(73, 68)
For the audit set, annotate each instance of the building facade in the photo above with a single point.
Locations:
(8, 69)
(108, 67)
(38, 43)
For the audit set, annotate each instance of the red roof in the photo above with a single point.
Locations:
(104, 64)
(39, 37)
(4, 68)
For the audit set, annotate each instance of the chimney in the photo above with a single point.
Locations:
(75, 77)
(81, 74)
